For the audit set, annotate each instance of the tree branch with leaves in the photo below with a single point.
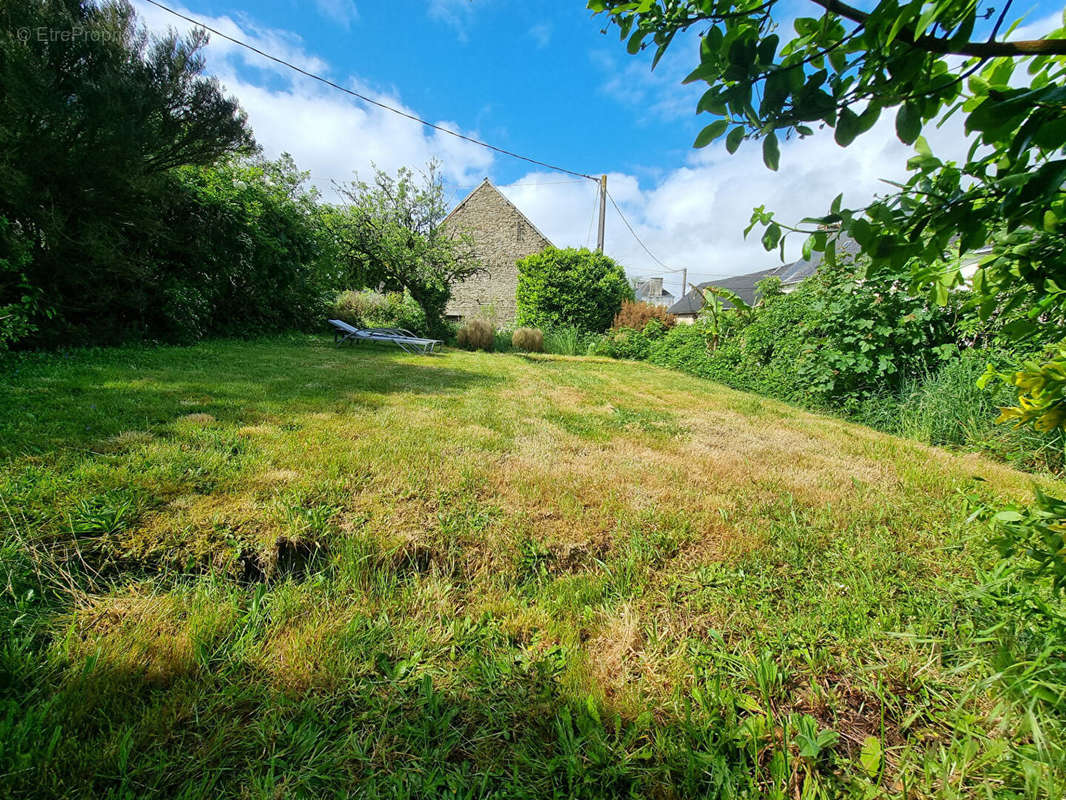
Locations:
(390, 232)
(842, 69)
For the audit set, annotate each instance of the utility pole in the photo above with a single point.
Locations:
(603, 213)
(684, 282)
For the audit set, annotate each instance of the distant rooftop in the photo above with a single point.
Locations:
(744, 285)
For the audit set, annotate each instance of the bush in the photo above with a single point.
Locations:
(631, 343)
(503, 343)
(370, 309)
(476, 334)
(529, 339)
(570, 289)
(355, 308)
(636, 315)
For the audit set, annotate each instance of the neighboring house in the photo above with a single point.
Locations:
(687, 309)
(501, 235)
(650, 290)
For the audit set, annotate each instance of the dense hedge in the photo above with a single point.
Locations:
(869, 350)
(834, 341)
(570, 288)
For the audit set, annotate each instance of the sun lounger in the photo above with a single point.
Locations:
(343, 332)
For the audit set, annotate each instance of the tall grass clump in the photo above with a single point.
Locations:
(531, 340)
(476, 334)
(567, 341)
(946, 407)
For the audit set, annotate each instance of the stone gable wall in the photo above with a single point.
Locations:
(501, 236)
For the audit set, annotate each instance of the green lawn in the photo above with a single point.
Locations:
(282, 569)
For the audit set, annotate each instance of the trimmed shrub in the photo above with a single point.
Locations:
(570, 288)
(476, 334)
(636, 315)
(529, 339)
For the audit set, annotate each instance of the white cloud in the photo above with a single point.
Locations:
(690, 216)
(658, 92)
(694, 216)
(541, 34)
(342, 12)
(456, 14)
(1038, 28)
(328, 133)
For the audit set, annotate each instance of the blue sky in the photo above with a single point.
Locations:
(541, 79)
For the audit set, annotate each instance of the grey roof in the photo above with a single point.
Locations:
(643, 293)
(744, 285)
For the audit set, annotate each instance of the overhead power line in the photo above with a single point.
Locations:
(637, 238)
(369, 100)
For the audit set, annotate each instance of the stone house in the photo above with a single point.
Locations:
(501, 235)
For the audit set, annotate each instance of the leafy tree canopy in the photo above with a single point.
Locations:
(570, 288)
(390, 233)
(91, 125)
(770, 77)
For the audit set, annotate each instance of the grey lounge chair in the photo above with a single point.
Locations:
(343, 332)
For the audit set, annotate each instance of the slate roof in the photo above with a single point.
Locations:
(744, 285)
(643, 294)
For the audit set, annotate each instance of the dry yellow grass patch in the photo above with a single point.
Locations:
(203, 528)
(279, 476)
(302, 655)
(140, 636)
(198, 418)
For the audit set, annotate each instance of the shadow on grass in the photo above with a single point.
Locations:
(49, 402)
(506, 729)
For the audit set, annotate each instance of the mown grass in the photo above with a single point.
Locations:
(278, 568)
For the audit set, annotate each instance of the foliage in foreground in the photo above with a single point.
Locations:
(277, 568)
(570, 289)
(847, 66)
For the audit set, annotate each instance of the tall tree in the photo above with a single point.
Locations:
(94, 113)
(843, 67)
(390, 232)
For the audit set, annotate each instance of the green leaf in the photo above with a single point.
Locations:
(712, 102)
(635, 41)
(1008, 516)
(733, 140)
(908, 123)
(771, 154)
(847, 127)
(711, 132)
(771, 236)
